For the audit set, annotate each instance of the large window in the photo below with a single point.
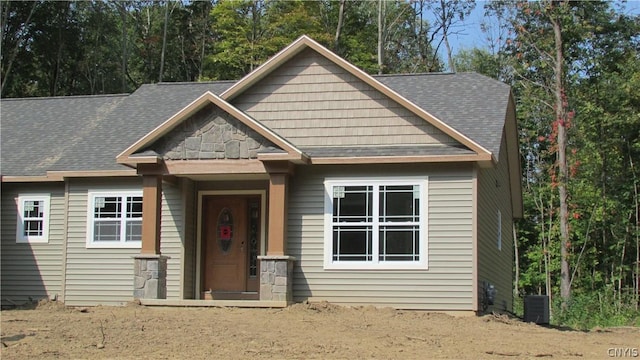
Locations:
(375, 224)
(115, 220)
(33, 219)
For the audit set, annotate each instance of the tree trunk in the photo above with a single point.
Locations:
(547, 255)
(563, 174)
(636, 284)
(255, 26)
(123, 16)
(53, 90)
(14, 53)
(516, 256)
(445, 36)
(164, 41)
(205, 26)
(380, 37)
(339, 26)
(452, 64)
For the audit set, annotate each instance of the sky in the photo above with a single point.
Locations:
(469, 34)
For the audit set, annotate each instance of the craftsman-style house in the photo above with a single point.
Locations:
(307, 180)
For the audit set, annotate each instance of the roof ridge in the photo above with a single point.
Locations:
(165, 83)
(66, 97)
(415, 74)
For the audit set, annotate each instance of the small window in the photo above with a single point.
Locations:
(375, 224)
(33, 219)
(499, 243)
(115, 220)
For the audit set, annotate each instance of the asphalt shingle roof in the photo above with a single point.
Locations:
(88, 132)
(39, 133)
(141, 112)
(473, 104)
(82, 133)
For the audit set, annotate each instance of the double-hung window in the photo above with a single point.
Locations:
(114, 220)
(33, 218)
(376, 224)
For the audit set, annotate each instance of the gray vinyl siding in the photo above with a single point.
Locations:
(189, 257)
(31, 270)
(105, 276)
(445, 285)
(311, 101)
(96, 276)
(172, 236)
(495, 266)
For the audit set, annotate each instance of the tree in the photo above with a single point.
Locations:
(567, 61)
(93, 47)
(16, 24)
(480, 61)
(446, 14)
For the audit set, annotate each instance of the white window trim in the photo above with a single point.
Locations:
(26, 239)
(91, 195)
(375, 264)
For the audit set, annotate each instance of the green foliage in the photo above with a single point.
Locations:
(601, 61)
(592, 309)
(603, 308)
(114, 46)
(480, 61)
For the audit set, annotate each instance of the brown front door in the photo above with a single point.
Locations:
(230, 245)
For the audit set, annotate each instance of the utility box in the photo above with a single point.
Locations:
(536, 309)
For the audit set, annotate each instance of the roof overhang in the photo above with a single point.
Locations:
(147, 159)
(483, 160)
(59, 176)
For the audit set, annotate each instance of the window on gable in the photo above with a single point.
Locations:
(33, 219)
(115, 220)
(375, 224)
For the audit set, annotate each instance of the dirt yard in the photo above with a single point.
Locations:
(302, 331)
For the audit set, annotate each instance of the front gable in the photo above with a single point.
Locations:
(313, 102)
(305, 105)
(212, 133)
(209, 129)
(353, 111)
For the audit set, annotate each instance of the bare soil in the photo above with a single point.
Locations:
(302, 331)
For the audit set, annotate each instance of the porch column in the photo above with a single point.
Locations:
(277, 214)
(276, 268)
(150, 267)
(151, 213)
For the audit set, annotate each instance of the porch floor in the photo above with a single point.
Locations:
(215, 303)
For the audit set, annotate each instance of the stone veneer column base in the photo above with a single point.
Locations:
(150, 277)
(276, 278)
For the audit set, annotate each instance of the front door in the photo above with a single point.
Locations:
(231, 245)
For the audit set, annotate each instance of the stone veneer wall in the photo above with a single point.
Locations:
(150, 277)
(212, 134)
(276, 278)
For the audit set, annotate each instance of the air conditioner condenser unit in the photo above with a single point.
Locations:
(536, 309)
